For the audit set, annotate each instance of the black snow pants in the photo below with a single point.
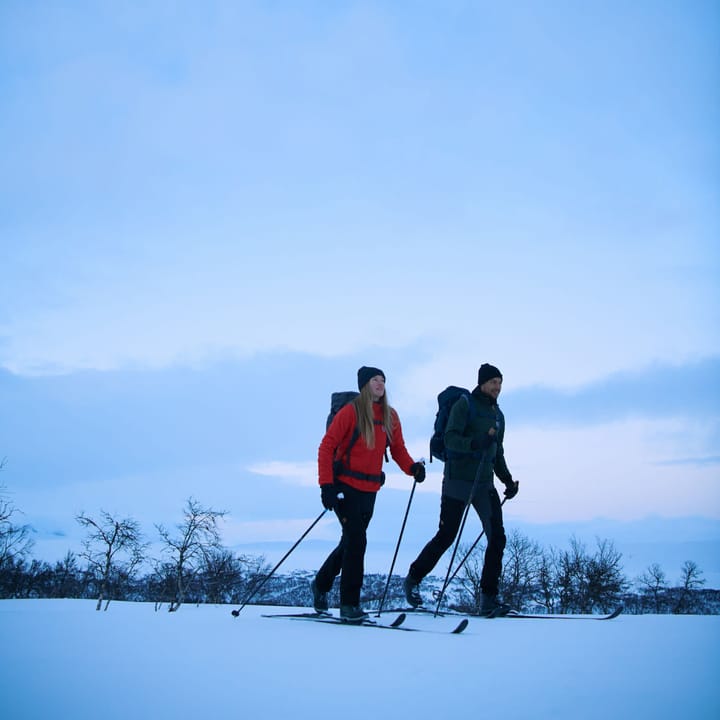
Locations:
(487, 505)
(354, 512)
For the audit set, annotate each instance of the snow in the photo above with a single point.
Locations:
(63, 659)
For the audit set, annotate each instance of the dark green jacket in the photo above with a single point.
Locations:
(462, 428)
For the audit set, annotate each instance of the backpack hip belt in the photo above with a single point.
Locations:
(339, 469)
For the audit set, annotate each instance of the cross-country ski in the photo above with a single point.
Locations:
(396, 624)
(531, 616)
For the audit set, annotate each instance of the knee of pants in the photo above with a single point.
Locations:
(354, 538)
(355, 545)
(444, 537)
(498, 539)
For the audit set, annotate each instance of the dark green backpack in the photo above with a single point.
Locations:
(446, 399)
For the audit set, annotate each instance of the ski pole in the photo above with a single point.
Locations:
(460, 531)
(235, 613)
(472, 547)
(397, 547)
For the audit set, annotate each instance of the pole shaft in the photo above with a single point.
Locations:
(397, 548)
(460, 531)
(469, 552)
(282, 560)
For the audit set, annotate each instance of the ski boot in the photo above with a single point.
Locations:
(412, 592)
(491, 607)
(352, 614)
(320, 599)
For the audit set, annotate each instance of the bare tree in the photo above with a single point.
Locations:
(564, 581)
(221, 573)
(256, 570)
(654, 585)
(67, 580)
(198, 536)
(521, 573)
(605, 580)
(691, 580)
(588, 582)
(570, 577)
(113, 549)
(16, 544)
(520, 578)
(547, 595)
(15, 540)
(470, 595)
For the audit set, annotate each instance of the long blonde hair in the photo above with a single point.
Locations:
(365, 420)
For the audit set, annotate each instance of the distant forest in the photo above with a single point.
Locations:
(195, 567)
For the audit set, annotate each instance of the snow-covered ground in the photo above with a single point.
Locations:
(62, 659)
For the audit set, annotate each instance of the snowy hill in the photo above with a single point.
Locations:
(63, 659)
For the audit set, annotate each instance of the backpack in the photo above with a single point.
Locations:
(338, 400)
(446, 399)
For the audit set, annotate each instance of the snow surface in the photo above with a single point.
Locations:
(62, 659)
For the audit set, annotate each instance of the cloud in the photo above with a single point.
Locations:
(303, 474)
(615, 469)
(690, 389)
(168, 211)
(221, 419)
(286, 530)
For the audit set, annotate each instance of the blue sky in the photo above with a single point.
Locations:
(211, 215)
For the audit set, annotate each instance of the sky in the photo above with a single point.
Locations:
(211, 216)
(202, 661)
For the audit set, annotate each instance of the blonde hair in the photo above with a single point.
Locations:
(365, 420)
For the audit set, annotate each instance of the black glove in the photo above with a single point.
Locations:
(418, 471)
(482, 443)
(511, 489)
(329, 496)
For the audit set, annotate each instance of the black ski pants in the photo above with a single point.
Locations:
(354, 512)
(487, 505)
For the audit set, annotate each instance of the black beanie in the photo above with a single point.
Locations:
(487, 372)
(366, 373)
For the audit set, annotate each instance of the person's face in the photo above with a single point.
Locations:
(492, 387)
(377, 386)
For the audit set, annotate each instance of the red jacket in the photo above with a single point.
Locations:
(362, 458)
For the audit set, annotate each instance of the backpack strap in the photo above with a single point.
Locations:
(340, 467)
(471, 409)
(354, 438)
(468, 419)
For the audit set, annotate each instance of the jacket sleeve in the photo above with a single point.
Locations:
(337, 434)
(455, 438)
(397, 447)
(500, 467)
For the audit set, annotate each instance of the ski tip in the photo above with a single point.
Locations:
(617, 611)
(463, 624)
(399, 620)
